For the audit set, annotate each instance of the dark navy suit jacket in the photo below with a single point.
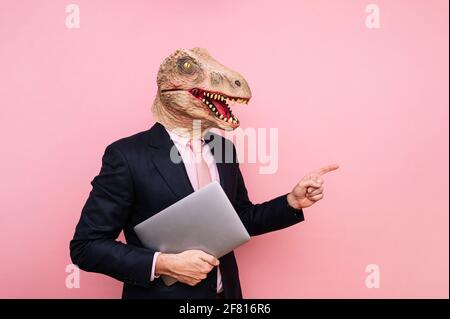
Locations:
(137, 180)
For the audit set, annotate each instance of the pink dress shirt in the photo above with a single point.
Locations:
(183, 146)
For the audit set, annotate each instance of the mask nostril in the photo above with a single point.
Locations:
(237, 82)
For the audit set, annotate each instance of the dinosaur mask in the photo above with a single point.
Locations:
(192, 85)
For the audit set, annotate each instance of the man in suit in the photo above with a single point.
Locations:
(139, 177)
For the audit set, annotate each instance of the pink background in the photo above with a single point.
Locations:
(374, 101)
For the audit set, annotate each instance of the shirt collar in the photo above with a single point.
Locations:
(181, 140)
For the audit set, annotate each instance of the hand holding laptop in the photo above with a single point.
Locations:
(203, 221)
(189, 267)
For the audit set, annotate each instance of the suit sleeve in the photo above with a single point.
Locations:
(94, 246)
(269, 216)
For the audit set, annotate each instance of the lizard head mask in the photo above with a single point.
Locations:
(192, 85)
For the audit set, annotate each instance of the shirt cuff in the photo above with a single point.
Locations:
(155, 257)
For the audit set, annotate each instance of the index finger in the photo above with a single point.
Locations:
(327, 169)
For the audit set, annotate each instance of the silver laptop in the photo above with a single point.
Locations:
(204, 220)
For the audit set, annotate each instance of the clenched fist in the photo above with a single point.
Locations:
(310, 189)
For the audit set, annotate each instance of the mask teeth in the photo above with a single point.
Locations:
(223, 98)
(209, 96)
(230, 100)
(215, 96)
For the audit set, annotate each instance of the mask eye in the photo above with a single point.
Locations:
(187, 65)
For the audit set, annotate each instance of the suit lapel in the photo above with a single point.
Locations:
(173, 173)
(225, 169)
(225, 174)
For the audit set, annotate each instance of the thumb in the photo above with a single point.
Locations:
(308, 182)
(209, 259)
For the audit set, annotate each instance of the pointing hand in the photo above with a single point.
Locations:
(310, 189)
